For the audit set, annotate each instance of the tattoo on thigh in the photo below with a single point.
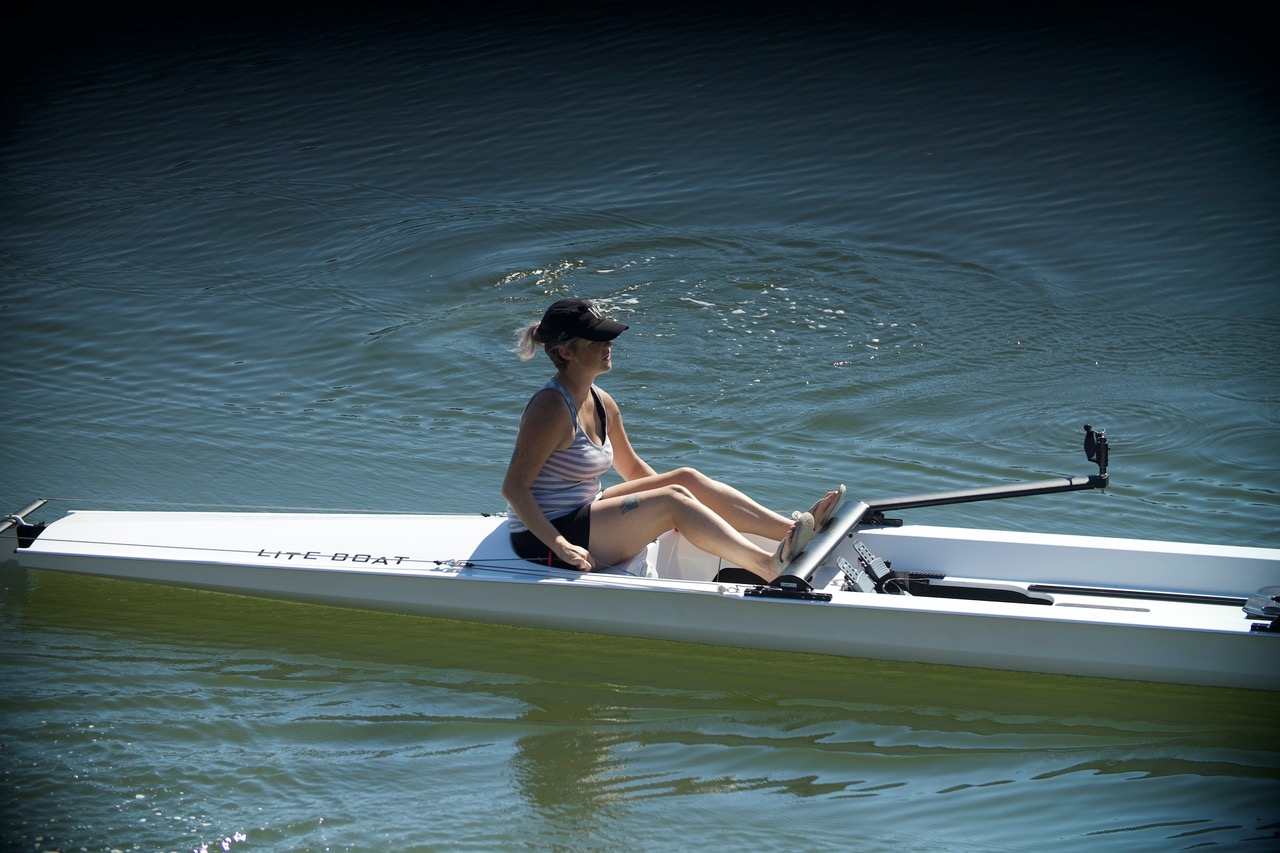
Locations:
(630, 503)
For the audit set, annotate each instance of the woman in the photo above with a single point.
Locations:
(572, 432)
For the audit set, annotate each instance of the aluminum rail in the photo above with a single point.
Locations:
(17, 523)
(17, 518)
(856, 513)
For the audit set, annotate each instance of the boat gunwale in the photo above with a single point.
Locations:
(567, 579)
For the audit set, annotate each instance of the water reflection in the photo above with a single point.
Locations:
(567, 767)
(592, 734)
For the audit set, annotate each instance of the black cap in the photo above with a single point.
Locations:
(577, 318)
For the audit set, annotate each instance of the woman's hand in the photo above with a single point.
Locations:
(576, 556)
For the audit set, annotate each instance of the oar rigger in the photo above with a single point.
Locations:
(25, 532)
(857, 514)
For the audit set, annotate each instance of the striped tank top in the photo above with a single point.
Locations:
(570, 477)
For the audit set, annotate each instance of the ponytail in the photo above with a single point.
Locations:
(528, 343)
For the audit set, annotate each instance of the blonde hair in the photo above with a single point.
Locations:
(528, 341)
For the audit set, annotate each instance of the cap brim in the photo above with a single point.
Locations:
(605, 330)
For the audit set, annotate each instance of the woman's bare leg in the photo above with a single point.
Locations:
(622, 525)
(737, 509)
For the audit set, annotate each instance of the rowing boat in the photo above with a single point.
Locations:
(867, 586)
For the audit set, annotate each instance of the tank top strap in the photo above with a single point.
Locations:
(573, 407)
(557, 385)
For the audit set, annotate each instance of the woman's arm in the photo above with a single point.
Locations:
(545, 427)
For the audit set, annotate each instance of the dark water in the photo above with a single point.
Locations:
(270, 260)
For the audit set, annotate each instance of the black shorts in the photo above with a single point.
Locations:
(575, 526)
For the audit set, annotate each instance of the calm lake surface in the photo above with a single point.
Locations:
(270, 262)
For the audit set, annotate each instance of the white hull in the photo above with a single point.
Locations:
(1181, 622)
